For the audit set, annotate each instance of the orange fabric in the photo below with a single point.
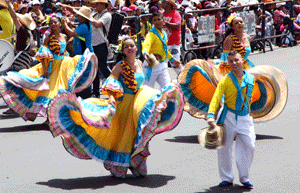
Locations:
(255, 93)
(201, 87)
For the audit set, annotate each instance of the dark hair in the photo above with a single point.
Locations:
(233, 52)
(121, 56)
(156, 13)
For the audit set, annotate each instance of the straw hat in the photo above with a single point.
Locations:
(85, 12)
(172, 2)
(27, 20)
(3, 4)
(152, 60)
(212, 138)
(100, 1)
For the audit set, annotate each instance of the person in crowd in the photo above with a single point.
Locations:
(6, 22)
(139, 10)
(172, 26)
(237, 88)
(30, 91)
(47, 7)
(235, 39)
(37, 10)
(23, 8)
(159, 5)
(145, 26)
(278, 16)
(117, 131)
(16, 5)
(82, 35)
(227, 4)
(100, 30)
(156, 43)
(24, 24)
(72, 26)
(76, 3)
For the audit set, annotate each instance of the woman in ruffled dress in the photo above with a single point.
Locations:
(236, 39)
(117, 131)
(29, 91)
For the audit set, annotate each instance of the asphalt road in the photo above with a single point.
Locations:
(31, 160)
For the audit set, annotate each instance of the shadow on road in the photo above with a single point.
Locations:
(151, 181)
(2, 117)
(261, 137)
(3, 106)
(234, 188)
(184, 139)
(194, 138)
(25, 128)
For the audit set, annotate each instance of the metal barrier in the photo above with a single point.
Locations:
(263, 37)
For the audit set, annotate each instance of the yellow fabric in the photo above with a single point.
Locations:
(121, 135)
(143, 29)
(6, 23)
(153, 45)
(58, 79)
(226, 87)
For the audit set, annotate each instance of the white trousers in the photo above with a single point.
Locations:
(159, 74)
(243, 130)
(175, 51)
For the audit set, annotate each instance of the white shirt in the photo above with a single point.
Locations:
(105, 18)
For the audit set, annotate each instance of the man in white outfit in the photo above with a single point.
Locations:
(237, 86)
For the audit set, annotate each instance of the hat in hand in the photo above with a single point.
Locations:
(27, 20)
(151, 60)
(212, 138)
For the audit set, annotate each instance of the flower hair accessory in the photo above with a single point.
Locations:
(121, 44)
(50, 16)
(231, 18)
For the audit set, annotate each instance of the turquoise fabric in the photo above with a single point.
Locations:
(248, 81)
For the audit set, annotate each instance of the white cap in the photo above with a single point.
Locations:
(35, 2)
(188, 10)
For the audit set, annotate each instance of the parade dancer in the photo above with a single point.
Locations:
(117, 131)
(236, 39)
(237, 88)
(156, 43)
(29, 91)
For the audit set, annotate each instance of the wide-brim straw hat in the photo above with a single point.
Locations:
(3, 4)
(85, 12)
(212, 138)
(270, 93)
(172, 2)
(27, 20)
(151, 60)
(100, 1)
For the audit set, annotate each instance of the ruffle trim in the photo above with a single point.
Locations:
(17, 100)
(84, 73)
(193, 105)
(113, 85)
(154, 119)
(24, 81)
(44, 53)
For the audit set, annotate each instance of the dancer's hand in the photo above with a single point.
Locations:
(176, 63)
(112, 100)
(211, 122)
